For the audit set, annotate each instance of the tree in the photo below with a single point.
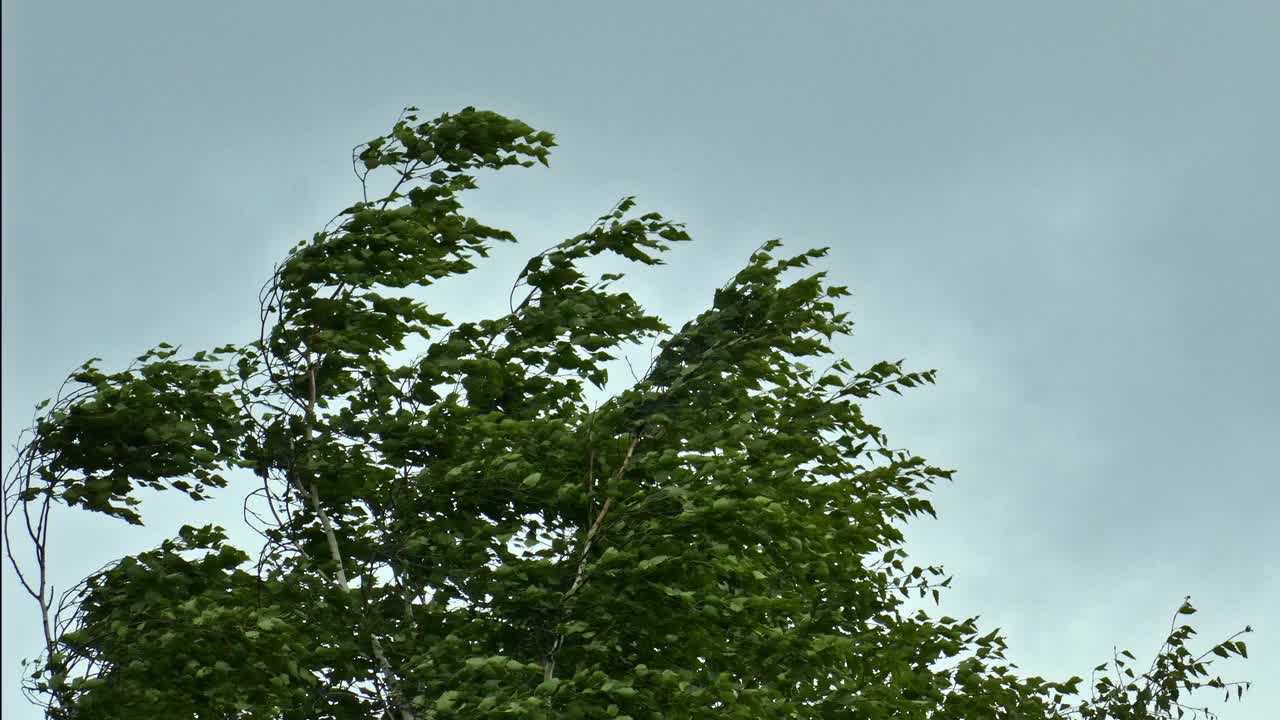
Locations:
(465, 536)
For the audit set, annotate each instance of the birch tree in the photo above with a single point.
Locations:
(464, 535)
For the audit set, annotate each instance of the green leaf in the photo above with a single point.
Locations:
(654, 561)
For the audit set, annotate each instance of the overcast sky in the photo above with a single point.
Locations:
(1069, 209)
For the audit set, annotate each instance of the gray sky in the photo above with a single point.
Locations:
(1069, 209)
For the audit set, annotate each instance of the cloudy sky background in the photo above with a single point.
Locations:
(1069, 209)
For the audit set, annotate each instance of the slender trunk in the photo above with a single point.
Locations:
(335, 552)
(580, 575)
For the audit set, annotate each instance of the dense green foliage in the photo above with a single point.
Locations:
(465, 536)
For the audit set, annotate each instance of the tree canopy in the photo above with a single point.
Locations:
(465, 536)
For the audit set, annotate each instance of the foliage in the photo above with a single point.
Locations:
(465, 536)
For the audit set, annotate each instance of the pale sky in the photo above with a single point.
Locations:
(1069, 209)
